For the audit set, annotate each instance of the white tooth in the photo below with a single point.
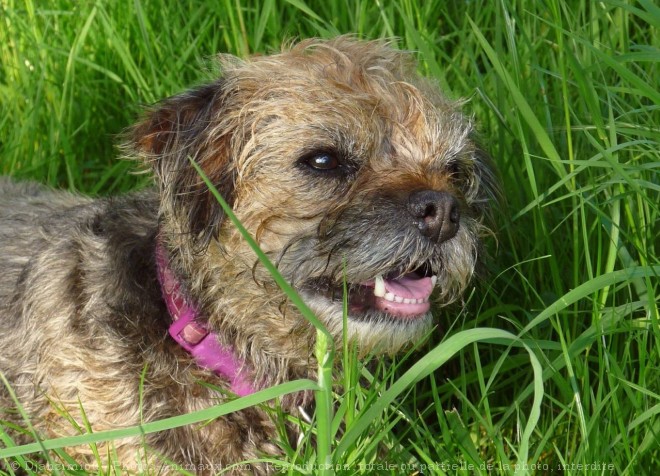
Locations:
(379, 286)
(434, 279)
(398, 299)
(408, 301)
(389, 297)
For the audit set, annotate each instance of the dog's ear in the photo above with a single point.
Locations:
(179, 129)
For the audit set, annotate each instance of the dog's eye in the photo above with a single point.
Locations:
(323, 161)
(327, 164)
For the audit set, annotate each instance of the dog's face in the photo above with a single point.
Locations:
(346, 167)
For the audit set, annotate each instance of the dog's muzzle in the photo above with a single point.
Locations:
(399, 242)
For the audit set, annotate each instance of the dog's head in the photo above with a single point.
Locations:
(346, 167)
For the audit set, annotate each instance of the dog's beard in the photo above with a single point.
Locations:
(388, 278)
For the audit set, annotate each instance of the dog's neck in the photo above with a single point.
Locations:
(193, 335)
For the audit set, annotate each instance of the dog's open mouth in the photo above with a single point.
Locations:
(403, 296)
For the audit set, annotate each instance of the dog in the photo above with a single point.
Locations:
(343, 164)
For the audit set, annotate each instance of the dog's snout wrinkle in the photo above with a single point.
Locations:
(436, 214)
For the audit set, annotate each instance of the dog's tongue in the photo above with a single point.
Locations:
(410, 287)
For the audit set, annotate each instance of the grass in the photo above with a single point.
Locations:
(566, 97)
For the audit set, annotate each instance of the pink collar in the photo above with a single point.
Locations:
(194, 336)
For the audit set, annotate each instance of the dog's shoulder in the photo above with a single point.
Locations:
(87, 262)
(20, 198)
(10, 187)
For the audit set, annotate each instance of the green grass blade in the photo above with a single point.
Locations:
(199, 416)
(431, 362)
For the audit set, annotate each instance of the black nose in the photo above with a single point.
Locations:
(436, 214)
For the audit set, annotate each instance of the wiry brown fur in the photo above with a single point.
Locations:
(80, 305)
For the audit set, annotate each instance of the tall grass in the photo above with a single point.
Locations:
(566, 97)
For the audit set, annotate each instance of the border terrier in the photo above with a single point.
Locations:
(345, 166)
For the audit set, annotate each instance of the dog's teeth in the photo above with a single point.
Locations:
(379, 286)
(434, 279)
(394, 298)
